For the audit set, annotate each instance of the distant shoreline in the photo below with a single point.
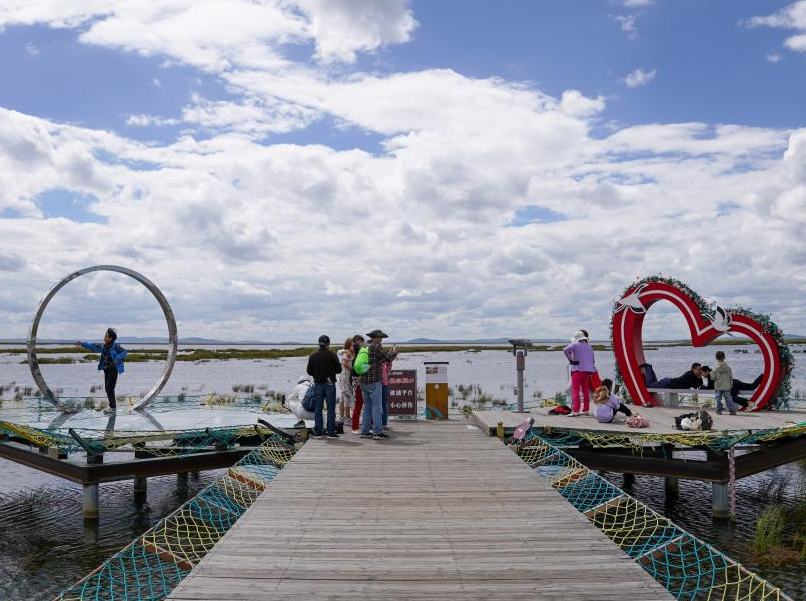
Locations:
(228, 352)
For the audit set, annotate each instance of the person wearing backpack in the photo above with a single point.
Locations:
(368, 363)
(358, 342)
(323, 365)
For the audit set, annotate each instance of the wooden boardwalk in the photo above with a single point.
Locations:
(439, 511)
(661, 420)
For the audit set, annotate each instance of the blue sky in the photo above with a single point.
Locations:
(448, 168)
(710, 67)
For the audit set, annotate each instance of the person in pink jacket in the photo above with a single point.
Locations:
(583, 365)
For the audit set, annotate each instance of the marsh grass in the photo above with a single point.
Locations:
(770, 528)
(780, 536)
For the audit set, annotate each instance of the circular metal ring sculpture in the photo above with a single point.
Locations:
(173, 341)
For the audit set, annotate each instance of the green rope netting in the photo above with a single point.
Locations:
(151, 566)
(689, 568)
(158, 443)
(716, 440)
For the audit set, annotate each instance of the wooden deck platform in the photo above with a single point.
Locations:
(437, 512)
(661, 420)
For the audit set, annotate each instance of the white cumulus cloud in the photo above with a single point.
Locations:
(791, 17)
(638, 78)
(251, 238)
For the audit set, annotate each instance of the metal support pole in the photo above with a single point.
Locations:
(520, 362)
(182, 481)
(671, 485)
(140, 485)
(90, 502)
(628, 479)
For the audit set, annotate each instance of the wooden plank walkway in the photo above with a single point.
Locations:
(439, 511)
(661, 420)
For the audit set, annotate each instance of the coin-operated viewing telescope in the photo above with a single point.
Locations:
(520, 346)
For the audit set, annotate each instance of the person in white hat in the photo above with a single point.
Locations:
(583, 365)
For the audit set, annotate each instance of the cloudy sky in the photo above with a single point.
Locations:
(282, 168)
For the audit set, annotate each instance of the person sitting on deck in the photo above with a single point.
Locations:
(607, 403)
(690, 379)
(294, 400)
(111, 363)
(738, 386)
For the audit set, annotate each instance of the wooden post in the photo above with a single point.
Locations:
(499, 430)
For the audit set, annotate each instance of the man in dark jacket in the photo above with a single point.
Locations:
(690, 379)
(323, 365)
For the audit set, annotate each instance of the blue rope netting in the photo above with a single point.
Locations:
(689, 568)
(155, 563)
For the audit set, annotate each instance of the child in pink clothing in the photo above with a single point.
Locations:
(583, 364)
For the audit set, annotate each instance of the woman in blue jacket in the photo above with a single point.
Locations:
(111, 362)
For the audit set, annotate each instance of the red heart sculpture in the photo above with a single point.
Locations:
(628, 322)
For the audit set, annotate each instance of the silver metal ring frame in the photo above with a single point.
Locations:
(173, 340)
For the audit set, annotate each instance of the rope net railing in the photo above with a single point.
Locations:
(689, 568)
(715, 440)
(154, 443)
(151, 566)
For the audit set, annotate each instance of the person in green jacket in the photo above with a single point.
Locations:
(723, 382)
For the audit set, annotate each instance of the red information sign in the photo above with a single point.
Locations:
(403, 392)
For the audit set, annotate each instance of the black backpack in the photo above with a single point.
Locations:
(307, 400)
(706, 422)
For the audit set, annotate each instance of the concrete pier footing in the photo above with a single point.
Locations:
(721, 501)
(90, 502)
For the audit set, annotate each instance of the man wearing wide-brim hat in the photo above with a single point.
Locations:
(371, 386)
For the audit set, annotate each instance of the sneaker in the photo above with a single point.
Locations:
(332, 436)
(366, 435)
(719, 411)
(315, 435)
(586, 413)
(387, 428)
(733, 413)
(110, 410)
(575, 414)
(356, 432)
(380, 436)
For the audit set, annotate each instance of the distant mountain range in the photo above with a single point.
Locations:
(212, 341)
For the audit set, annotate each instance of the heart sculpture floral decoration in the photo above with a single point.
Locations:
(706, 323)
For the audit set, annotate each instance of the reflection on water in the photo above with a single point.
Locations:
(46, 545)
